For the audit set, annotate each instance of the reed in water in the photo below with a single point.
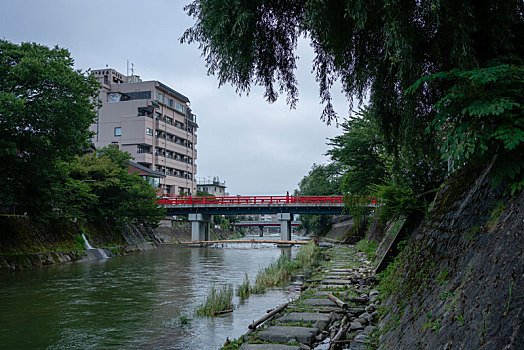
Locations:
(218, 301)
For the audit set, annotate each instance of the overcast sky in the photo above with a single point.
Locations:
(255, 147)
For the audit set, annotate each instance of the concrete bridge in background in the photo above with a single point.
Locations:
(265, 223)
(200, 209)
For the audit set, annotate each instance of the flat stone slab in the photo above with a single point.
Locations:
(340, 270)
(357, 346)
(319, 302)
(304, 317)
(321, 293)
(335, 281)
(330, 276)
(331, 286)
(246, 346)
(284, 334)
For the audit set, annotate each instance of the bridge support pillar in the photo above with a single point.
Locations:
(199, 226)
(285, 225)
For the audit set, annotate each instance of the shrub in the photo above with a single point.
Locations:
(368, 247)
(396, 201)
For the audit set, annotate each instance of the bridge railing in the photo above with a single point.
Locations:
(171, 199)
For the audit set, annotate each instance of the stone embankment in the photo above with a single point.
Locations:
(337, 309)
(26, 244)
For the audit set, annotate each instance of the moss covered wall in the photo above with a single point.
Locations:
(459, 282)
(21, 235)
(26, 244)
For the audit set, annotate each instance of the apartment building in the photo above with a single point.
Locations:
(215, 187)
(151, 121)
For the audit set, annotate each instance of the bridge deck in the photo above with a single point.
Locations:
(267, 223)
(274, 241)
(257, 204)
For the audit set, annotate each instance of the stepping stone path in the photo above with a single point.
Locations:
(313, 320)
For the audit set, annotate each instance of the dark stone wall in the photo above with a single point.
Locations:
(27, 244)
(21, 235)
(459, 282)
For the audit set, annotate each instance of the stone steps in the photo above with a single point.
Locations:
(314, 320)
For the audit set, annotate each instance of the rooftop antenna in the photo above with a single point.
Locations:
(132, 69)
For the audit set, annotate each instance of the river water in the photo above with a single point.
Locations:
(134, 301)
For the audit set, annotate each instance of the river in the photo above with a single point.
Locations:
(134, 301)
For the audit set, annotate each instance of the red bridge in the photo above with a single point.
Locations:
(200, 209)
(171, 199)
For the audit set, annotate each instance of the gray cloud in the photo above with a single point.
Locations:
(256, 147)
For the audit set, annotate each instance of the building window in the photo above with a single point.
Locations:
(154, 181)
(139, 95)
(145, 112)
(143, 149)
(149, 131)
(118, 131)
(180, 108)
(159, 97)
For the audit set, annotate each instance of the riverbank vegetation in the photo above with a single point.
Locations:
(50, 171)
(279, 271)
(219, 300)
(435, 90)
(244, 289)
(443, 85)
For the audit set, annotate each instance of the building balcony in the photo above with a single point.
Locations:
(143, 158)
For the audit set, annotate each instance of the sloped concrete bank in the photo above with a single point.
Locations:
(171, 232)
(458, 283)
(26, 245)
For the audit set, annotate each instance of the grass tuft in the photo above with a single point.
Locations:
(280, 271)
(368, 247)
(217, 300)
(244, 289)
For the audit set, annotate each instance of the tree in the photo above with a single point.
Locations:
(482, 115)
(375, 48)
(45, 114)
(322, 180)
(100, 188)
(383, 46)
(360, 152)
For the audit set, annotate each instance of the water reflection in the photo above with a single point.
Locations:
(133, 301)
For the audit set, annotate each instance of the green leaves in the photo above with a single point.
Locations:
(45, 114)
(360, 152)
(481, 115)
(100, 188)
(396, 201)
